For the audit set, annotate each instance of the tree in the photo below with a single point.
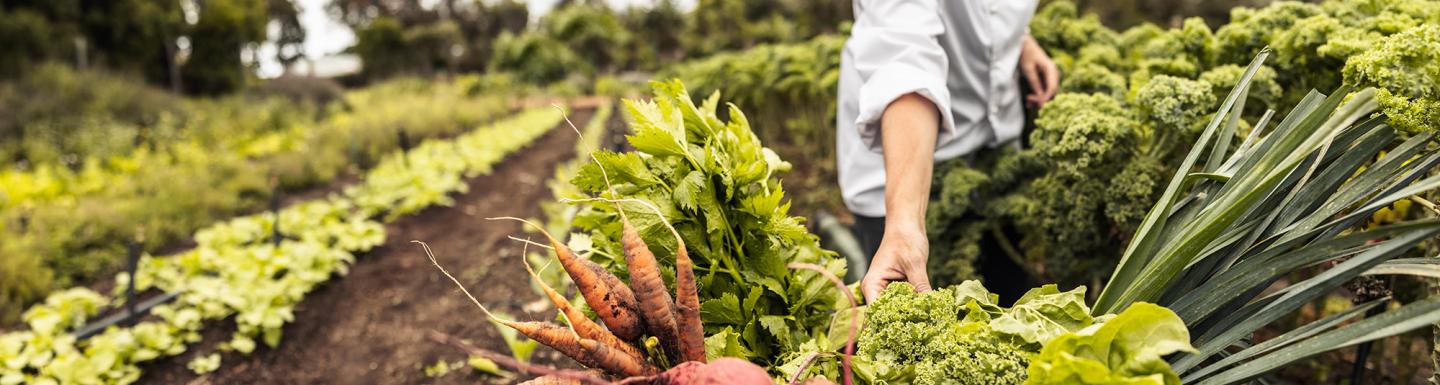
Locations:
(435, 45)
(379, 45)
(290, 45)
(657, 29)
(481, 22)
(359, 13)
(224, 28)
(24, 38)
(592, 31)
(535, 57)
(132, 36)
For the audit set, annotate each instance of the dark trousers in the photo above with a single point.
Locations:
(869, 230)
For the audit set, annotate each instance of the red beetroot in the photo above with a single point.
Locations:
(722, 371)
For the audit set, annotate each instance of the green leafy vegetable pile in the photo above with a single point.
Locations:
(719, 187)
(959, 335)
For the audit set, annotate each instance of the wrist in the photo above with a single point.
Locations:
(907, 225)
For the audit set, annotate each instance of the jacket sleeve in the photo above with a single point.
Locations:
(894, 46)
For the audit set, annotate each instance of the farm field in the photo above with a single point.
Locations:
(392, 296)
(597, 192)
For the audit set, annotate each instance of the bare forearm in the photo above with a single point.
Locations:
(909, 128)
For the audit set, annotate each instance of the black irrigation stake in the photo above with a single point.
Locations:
(1362, 352)
(404, 145)
(275, 236)
(130, 311)
(404, 140)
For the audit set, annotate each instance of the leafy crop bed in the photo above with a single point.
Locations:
(62, 224)
(236, 272)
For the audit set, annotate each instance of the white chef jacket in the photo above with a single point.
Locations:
(962, 55)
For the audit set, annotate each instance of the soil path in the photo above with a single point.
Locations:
(369, 327)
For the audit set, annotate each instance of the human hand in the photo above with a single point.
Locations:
(1040, 71)
(902, 255)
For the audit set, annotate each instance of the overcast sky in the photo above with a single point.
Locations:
(325, 36)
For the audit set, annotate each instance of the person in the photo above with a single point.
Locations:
(923, 81)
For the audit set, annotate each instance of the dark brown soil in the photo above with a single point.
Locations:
(369, 327)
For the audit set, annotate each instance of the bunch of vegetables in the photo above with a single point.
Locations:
(642, 313)
(644, 327)
(719, 188)
(238, 271)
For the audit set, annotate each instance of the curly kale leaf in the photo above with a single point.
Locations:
(940, 334)
(1406, 69)
(1252, 29)
(1175, 104)
(1060, 28)
(1179, 52)
(958, 335)
(1265, 92)
(1130, 193)
(1078, 131)
(1089, 78)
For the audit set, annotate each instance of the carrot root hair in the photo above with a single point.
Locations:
(477, 303)
(538, 331)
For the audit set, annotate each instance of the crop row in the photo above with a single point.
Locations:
(60, 226)
(239, 271)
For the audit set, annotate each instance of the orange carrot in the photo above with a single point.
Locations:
(687, 300)
(690, 331)
(614, 361)
(687, 307)
(683, 341)
(619, 291)
(622, 320)
(555, 336)
(582, 324)
(655, 303)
